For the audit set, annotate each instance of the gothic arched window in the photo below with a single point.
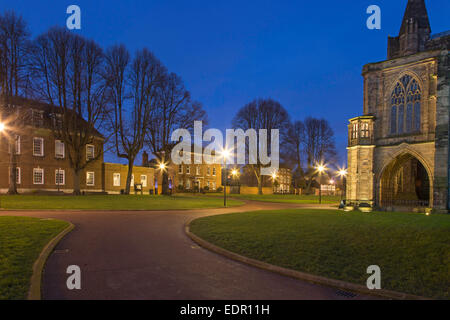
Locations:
(405, 120)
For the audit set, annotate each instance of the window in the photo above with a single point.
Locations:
(197, 170)
(188, 170)
(214, 171)
(180, 169)
(17, 144)
(90, 178)
(59, 149)
(214, 186)
(38, 147)
(18, 176)
(90, 152)
(144, 180)
(116, 179)
(407, 93)
(37, 118)
(188, 184)
(38, 176)
(60, 177)
(132, 180)
(364, 130)
(208, 171)
(355, 130)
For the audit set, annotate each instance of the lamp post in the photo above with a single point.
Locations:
(274, 180)
(225, 155)
(320, 169)
(342, 173)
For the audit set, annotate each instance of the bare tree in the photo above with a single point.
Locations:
(174, 110)
(293, 150)
(132, 91)
(67, 73)
(14, 44)
(262, 114)
(319, 145)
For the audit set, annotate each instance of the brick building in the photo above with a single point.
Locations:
(42, 162)
(187, 177)
(398, 152)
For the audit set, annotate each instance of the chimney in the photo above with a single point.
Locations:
(145, 159)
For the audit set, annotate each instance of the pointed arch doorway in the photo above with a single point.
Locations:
(405, 182)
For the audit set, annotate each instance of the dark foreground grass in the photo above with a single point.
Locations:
(112, 202)
(21, 241)
(412, 250)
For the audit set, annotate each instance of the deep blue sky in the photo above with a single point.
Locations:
(306, 54)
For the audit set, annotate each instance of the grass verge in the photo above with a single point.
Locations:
(112, 202)
(412, 250)
(21, 241)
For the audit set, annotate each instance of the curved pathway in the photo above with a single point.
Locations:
(147, 255)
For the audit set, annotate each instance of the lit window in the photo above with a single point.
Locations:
(188, 184)
(197, 170)
(208, 171)
(180, 169)
(116, 179)
(18, 176)
(144, 180)
(90, 178)
(38, 147)
(59, 149)
(188, 170)
(38, 176)
(214, 171)
(60, 177)
(90, 152)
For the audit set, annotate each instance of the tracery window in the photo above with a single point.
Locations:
(405, 106)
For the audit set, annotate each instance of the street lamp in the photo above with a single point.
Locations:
(320, 169)
(225, 155)
(2, 127)
(342, 173)
(274, 180)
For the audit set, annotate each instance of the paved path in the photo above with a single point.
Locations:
(146, 255)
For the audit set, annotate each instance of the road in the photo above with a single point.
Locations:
(147, 255)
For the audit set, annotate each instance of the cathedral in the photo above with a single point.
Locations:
(398, 150)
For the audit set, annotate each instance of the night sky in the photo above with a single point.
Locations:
(308, 55)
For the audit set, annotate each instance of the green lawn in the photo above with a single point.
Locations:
(21, 241)
(113, 202)
(412, 250)
(289, 198)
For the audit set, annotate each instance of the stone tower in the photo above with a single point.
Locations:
(398, 150)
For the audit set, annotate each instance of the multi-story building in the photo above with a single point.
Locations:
(42, 162)
(283, 180)
(189, 177)
(398, 152)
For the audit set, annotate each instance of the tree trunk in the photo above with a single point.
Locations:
(12, 171)
(260, 190)
(165, 183)
(129, 176)
(76, 182)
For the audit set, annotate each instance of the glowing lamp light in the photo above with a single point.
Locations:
(162, 166)
(321, 168)
(343, 173)
(234, 172)
(331, 181)
(2, 127)
(226, 153)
